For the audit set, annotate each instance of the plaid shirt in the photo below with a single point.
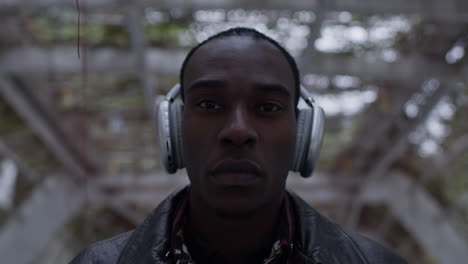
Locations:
(280, 251)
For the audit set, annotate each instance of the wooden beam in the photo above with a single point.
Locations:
(41, 125)
(398, 146)
(414, 68)
(49, 208)
(136, 30)
(443, 164)
(449, 10)
(420, 214)
(25, 170)
(63, 60)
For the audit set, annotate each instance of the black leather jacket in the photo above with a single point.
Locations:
(317, 241)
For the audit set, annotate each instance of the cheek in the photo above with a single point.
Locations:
(196, 142)
(190, 140)
(280, 149)
(190, 149)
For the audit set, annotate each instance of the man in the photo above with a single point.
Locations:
(237, 141)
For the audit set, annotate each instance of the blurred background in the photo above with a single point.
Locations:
(79, 159)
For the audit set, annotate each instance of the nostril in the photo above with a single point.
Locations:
(238, 138)
(250, 141)
(227, 141)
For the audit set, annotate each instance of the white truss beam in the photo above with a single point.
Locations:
(41, 125)
(421, 215)
(49, 208)
(64, 60)
(449, 10)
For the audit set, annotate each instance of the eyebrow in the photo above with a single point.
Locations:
(272, 87)
(204, 84)
(259, 87)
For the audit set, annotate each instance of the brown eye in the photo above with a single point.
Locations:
(209, 105)
(270, 107)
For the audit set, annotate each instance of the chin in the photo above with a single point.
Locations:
(231, 213)
(240, 206)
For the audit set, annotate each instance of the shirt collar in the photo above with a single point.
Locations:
(280, 250)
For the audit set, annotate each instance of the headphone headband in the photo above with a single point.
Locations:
(173, 93)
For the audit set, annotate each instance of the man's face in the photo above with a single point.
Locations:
(238, 125)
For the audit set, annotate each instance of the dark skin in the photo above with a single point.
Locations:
(238, 133)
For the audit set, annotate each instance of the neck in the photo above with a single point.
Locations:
(238, 238)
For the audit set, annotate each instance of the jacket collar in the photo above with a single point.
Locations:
(150, 242)
(317, 239)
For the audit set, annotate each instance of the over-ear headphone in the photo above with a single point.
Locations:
(310, 126)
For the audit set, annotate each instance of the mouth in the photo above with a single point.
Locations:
(235, 173)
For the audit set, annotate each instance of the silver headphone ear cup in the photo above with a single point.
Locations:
(169, 118)
(177, 133)
(164, 136)
(316, 137)
(302, 138)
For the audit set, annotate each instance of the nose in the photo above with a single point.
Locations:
(238, 129)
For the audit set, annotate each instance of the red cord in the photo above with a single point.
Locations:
(84, 83)
(77, 2)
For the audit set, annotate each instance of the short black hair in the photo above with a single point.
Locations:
(245, 32)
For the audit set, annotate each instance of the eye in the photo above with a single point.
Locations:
(269, 107)
(209, 105)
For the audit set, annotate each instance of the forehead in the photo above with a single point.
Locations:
(241, 57)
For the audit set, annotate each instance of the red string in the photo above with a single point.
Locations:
(77, 2)
(84, 84)
(84, 66)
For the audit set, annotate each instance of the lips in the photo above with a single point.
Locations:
(232, 172)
